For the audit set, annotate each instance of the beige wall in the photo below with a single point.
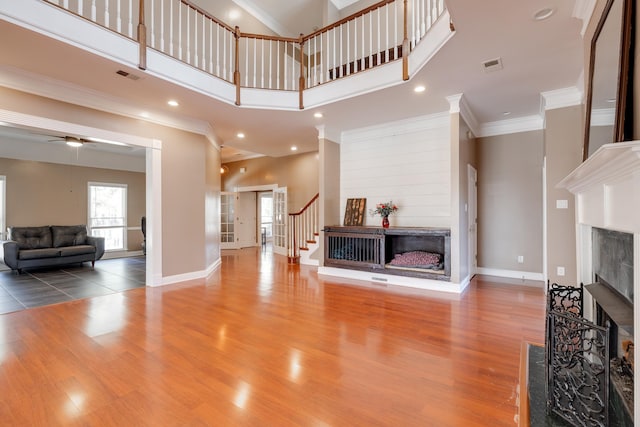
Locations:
(510, 201)
(41, 193)
(183, 174)
(563, 149)
(299, 173)
(183, 202)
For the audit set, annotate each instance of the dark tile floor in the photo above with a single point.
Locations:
(38, 287)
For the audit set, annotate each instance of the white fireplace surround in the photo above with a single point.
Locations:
(607, 191)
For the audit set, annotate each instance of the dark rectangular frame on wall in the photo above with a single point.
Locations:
(623, 123)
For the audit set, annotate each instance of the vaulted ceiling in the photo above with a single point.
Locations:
(537, 56)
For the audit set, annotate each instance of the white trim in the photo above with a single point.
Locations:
(192, 275)
(603, 117)
(154, 213)
(454, 103)
(264, 17)
(399, 127)
(28, 82)
(560, 98)
(545, 256)
(121, 254)
(511, 274)
(388, 279)
(66, 128)
(516, 125)
(583, 9)
(153, 177)
(341, 4)
(213, 267)
(268, 187)
(458, 104)
(3, 206)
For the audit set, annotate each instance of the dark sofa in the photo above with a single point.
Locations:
(30, 247)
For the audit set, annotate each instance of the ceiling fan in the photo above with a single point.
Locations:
(74, 141)
(71, 141)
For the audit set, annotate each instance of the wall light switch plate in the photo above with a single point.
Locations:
(562, 204)
(520, 259)
(560, 271)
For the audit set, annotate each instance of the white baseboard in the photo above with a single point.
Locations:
(193, 275)
(121, 254)
(510, 274)
(390, 279)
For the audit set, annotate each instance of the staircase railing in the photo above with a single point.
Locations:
(382, 33)
(304, 228)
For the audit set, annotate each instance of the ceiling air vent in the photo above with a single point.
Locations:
(127, 75)
(492, 65)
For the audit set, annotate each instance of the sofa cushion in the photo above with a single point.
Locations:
(69, 235)
(38, 253)
(77, 250)
(31, 237)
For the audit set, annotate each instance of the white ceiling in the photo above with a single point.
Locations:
(537, 57)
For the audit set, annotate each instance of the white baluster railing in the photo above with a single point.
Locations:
(356, 43)
(304, 227)
(177, 28)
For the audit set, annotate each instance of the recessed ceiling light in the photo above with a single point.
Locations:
(611, 100)
(543, 14)
(318, 115)
(240, 135)
(294, 148)
(506, 113)
(173, 103)
(419, 89)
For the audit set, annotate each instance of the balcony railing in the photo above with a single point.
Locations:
(385, 32)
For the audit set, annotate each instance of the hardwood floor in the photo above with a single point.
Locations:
(264, 343)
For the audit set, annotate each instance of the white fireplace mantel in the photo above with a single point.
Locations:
(607, 191)
(607, 187)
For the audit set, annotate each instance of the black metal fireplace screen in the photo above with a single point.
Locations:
(577, 353)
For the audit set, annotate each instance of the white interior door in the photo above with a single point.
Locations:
(280, 215)
(246, 219)
(472, 212)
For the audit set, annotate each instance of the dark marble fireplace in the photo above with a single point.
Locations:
(613, 292)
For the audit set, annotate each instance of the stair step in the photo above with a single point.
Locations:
(313, 242)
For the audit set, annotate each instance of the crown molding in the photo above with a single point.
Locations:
(560, 98)
(458, 104)
(603, 117)
(583, 9)
(36, 84)
(414, 124)
(516, 125)
(341, 4)
(262, 16)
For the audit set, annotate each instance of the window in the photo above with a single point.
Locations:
(3, 207)
(108, 214)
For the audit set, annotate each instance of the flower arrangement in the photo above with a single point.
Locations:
(384, 209)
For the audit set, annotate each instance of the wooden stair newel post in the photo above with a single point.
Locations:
(142, 38)
(302, 80)
(405, 44)
(236, 72)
